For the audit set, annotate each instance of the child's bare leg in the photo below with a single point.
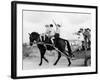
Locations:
(52, 40)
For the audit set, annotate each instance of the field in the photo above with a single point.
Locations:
(31, 58)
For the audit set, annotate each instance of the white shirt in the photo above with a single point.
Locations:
(58, 30)
(50, 31)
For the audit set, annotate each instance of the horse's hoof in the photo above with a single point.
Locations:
(54, 64)
(40, 64)
(69, 64)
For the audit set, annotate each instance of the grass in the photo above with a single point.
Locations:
(28, 51)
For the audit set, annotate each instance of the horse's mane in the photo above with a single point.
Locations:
(35, 33)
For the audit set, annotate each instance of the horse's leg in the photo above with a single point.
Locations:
(42, 56)
(69, 48)
(40, 61)
(42, 53)
(69, 62)
(59, 56)
(45, 59)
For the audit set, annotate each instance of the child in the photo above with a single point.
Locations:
(50, 32)
(57, 33)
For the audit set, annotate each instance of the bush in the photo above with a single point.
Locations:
(26, 50)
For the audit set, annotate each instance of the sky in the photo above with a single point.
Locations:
(35, 21)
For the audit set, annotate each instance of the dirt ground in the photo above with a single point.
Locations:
(33, 59)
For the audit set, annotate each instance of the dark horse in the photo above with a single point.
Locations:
(59, 43)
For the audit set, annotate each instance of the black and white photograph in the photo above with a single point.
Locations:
(55, 39)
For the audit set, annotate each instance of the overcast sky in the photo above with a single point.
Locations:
(71, 22)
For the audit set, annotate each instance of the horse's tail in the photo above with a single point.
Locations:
(68, 46)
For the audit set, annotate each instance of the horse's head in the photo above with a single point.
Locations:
(33, 38)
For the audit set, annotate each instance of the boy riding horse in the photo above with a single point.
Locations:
(50, 32)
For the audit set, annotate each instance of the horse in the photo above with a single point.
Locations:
(60, 44)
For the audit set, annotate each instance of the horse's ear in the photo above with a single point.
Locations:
(29, 34)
